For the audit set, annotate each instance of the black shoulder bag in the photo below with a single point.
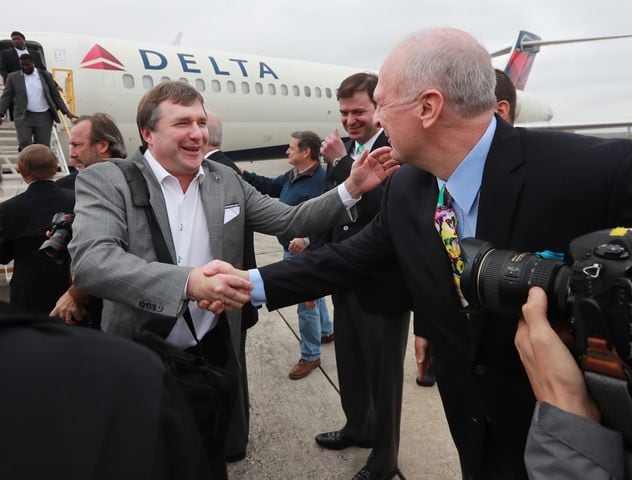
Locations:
(210, 389)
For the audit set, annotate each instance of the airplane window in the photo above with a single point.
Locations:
(216, 86)
(200, 86)
(328, 92)
(259, 88)
(148, 82)
(271, 88)
(318, 92)
(308, 91)
(295, 90)
(230, 86)
(284, 90)
(128, 81)
(182, 79)
(245, 87)
(165, 79)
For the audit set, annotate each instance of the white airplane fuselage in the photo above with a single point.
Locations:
(260, 99)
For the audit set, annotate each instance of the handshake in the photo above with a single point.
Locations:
(218, 286)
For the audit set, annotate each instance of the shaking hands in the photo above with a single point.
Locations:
(218, 286)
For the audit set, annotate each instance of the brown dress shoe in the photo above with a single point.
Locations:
(327, 338)
(303, 368)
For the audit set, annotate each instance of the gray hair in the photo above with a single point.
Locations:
(214, 126)
(454, 63)
(103, 128)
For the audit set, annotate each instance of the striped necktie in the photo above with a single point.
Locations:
(445, 223)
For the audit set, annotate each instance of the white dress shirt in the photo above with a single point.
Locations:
(189, 231)
(35, 92)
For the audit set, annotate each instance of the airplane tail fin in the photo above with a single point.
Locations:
(521, 59)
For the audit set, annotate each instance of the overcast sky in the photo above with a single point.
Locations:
(585, 82)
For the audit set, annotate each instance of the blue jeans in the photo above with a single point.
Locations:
(313, 323)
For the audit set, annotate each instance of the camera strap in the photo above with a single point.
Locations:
(140, 198)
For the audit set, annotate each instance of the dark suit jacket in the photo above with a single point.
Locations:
(10, 62)
(68, 181)
(388, 282)
(15, 92)
(38, 281)
(57, 398)
(539, 191)
(249, 313)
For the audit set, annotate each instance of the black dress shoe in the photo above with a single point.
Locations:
(338, 440)
(236, 457)
(366, 474)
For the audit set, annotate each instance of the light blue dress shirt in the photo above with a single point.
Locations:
(464, 184)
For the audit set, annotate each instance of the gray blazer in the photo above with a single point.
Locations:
(562, 445)
(15, 91)
(113, 255)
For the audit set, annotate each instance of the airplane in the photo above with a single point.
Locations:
(260, 99)
(530, 109)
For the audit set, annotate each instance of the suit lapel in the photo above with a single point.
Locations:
(501, 187)
(212, 194)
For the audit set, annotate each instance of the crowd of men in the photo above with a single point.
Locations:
(437, 123)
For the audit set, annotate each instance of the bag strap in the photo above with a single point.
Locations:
(140, 198)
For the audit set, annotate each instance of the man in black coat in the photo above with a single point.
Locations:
(80, 405)
(370, 338)
(518, 189)
(38, 280)
(10, 57)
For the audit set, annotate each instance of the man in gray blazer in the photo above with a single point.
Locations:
(202, 209)
(35, 100)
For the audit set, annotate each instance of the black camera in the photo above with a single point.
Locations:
(591, 290)
(56, 246)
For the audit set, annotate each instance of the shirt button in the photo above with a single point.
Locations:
(179, 259)
(345, 228)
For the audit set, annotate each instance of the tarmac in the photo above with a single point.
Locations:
(287, 414)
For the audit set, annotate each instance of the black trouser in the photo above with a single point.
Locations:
(370, 353)
(217, 349)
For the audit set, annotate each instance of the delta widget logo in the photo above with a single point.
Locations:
(99, 58)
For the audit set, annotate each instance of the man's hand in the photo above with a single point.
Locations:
(297, 245)
(218, 286)
(422, 356)
(369, 170)
(68, 310)
(552, 370)
(333, 147)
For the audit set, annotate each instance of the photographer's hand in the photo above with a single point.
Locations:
(68, 309)
(552, 370)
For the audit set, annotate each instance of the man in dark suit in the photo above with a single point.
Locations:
(35, 100)
(370, 341)
(10, 57)
(239, 429)
(38, 280)
(57, 399)
(519, 189)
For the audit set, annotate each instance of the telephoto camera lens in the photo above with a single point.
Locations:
(499, 280)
